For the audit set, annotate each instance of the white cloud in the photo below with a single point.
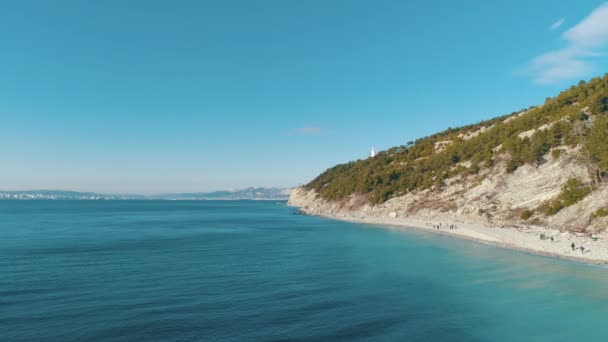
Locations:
(556, 66)
(574, 60)
(557, 24)
(592, 31)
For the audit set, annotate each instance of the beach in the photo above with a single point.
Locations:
(589, 248)
(527, 239)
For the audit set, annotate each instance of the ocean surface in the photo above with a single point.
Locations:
(255, 271)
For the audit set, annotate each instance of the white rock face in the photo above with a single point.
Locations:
(471, 135)
(493, 197)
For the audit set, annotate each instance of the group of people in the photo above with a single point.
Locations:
(582, 248)
(440, 225)
(573, 246)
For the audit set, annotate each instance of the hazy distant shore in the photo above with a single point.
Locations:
(526, 238)
(261, 194)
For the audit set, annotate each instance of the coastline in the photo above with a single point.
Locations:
(526, 239)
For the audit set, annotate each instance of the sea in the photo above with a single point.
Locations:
(258, 271)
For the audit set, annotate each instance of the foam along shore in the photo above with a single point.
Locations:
(555, 243)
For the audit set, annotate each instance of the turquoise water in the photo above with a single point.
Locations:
(254, 271)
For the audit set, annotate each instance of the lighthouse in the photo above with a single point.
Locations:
(372, 154)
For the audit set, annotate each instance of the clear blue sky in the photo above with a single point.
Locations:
(170, 96)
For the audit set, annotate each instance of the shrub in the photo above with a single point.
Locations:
(572, 193)
(556, 153)
(526, 214)
(550, 208)
(601, 212)
(513, 165)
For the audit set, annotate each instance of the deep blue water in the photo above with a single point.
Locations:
(254, 271)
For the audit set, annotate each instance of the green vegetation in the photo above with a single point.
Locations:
(596, 146)
(576, 117)
(572, 193)
(556, 153)
(526, 214)
(601, 212)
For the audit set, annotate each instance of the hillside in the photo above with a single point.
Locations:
(545, 166)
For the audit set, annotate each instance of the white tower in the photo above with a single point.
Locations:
(372, 154)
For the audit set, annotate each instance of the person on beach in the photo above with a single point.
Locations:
(572, 246)
(582, 250)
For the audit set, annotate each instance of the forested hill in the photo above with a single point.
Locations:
(575, 119)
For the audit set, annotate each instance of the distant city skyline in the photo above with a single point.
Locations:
(154, 97)
(247, 193)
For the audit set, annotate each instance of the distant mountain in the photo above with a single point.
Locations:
(243, 194)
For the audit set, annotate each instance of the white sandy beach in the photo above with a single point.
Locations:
(525, 239)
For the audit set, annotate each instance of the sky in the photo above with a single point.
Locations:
(181, 96)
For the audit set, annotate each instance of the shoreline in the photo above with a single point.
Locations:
(526, 240)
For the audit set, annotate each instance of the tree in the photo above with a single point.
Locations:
(597, 148)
